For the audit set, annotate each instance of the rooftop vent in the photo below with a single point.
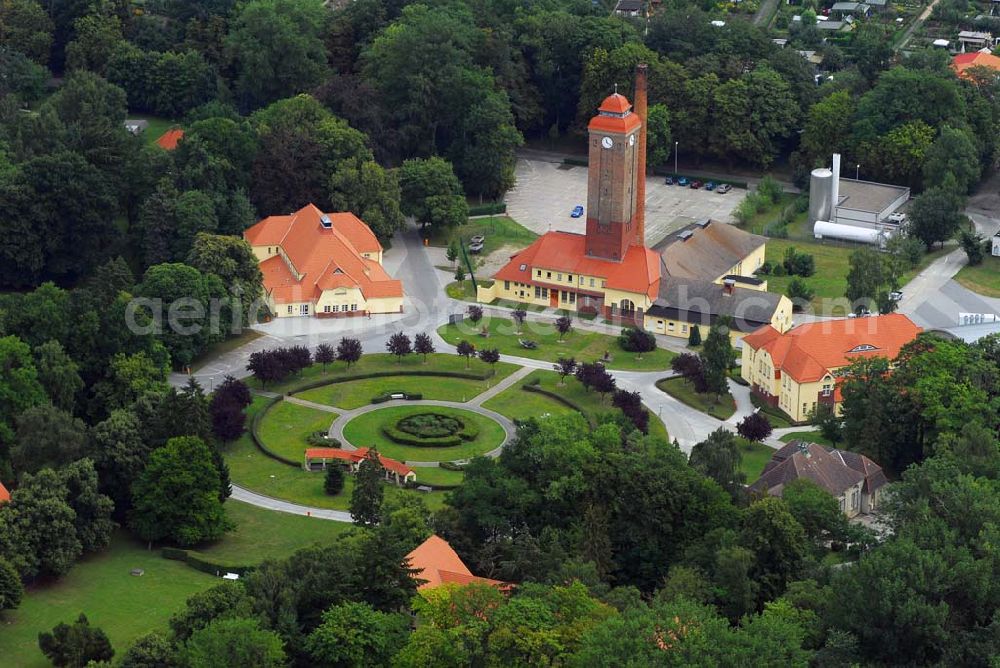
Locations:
(703, 223)
(804, 448)
(685, 235)
(325, 221)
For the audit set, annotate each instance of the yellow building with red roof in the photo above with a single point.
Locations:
(609, 270)
(323, 265)
(797, 370)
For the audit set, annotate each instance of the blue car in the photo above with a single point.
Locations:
(710, 185)
(682, 182)
(576, 212)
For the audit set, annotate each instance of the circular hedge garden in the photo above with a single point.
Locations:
(421, 433)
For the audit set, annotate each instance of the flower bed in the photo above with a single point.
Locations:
(430, 430)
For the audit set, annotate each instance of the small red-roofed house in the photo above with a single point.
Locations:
(4, 494)
(436, 564)
(168, 140)
(797, 370)
(318, 459)
(322, 264)
(963, 62)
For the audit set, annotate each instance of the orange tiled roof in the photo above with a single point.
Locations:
(963, 61)
(808, 352)
(4, 494)
(436, 562)
(355, 456)
(615, 104)
(565, 252)
(168, 140)
(324, 258)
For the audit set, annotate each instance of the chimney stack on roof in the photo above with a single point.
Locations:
(641, 71)
(728, 286)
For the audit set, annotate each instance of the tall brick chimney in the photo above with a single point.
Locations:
(640, 185)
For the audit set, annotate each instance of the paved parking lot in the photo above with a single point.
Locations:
(547, 191)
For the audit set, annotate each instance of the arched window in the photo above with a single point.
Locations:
(627, 306)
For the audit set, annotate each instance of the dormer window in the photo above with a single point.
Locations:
(863, 348)
(325, 221)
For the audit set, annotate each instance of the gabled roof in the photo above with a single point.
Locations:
(323, 257)
(811, 461)
(706, 250)
(437, 563)
(638, 272)
(702, 302)
(4, 494)
(808, 352)
(168, 140)
(963, 61)
(355, 456)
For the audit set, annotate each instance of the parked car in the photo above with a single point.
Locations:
(896, 295)
(576, 212)
(682, 181)
(669, 181)
(476, 247)
(723, 188)
(696, 184)
(710, 185)
(478, 239)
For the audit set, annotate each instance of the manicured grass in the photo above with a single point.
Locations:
(435, 475)
(983, 279)
(830, 280)
(157, 126)
(754, 457)
(366, 430)
(721, 408)
(285, 427)
(250, 468)
(265, 534)
(358, 393)
(500, 230)
(584, 345)
(518, 403)
(810, 436)
(123, 605)
(775, 416)
(384, 362)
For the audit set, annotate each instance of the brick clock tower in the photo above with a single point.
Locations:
(615, 187)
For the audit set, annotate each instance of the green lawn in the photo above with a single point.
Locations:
(830, 279)
(285, 427)
(983, 278)
(585, 346)
(776, 416)
(366, 430)
(755, 456)
(516, 402)
(358, 393)
(383, 362)
(435, 475)
(499, 231)
(810, 436)
(157, 126)
(123, 605)
(721, 408)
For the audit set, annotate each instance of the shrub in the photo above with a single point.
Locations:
(799, 293)
(765, 268)
(321, 439)
(694, 336)
(635, 340)
(430, 425)
(779, 270)
(798, 264)
(770, 190)
(333, 483)
(451, 466)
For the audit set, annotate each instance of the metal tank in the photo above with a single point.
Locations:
(820, 194)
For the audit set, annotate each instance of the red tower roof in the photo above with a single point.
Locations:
(615, 104)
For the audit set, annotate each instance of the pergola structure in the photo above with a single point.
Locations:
(317, 459)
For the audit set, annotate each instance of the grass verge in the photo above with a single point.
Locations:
(721, 408)
(754, 457)
(499, 231)
(584, 345)
(358, 393)
(810, 436)
(983, 279)
(285, 427)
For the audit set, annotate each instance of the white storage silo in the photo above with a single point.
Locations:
(820, 194)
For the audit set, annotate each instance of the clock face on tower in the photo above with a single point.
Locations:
(607, 142)
(631, 140)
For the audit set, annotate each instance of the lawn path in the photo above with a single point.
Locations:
(500, 387)
(311, 404)
(277, 505)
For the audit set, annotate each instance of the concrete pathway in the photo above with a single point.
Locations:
(744, 407)
(507, 382)
(312, 404)
(254, 499)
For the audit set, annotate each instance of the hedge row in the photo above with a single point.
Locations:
(255, 425)
(382, 398)
(200, 562)
(468, 433)
(323, 382)
(488, 208)
(534, 387)
(451, 466)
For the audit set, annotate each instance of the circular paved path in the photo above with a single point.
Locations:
(337, 428)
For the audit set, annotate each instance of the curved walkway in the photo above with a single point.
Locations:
(277, 505)
(337, 428)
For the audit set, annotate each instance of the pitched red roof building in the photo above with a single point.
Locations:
(4, 494)
(319, 457)
(436, 563)
(323, 264)
(964, 61)
(168, 140)
(796, 370)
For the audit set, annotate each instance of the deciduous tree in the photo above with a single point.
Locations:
(349, 351)
(234, 643)
(76, 645)
(423, 345)
(399, 344)
(366, 498)
(353, 634)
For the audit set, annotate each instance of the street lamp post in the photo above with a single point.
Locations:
(857, 173)
(675, 158)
